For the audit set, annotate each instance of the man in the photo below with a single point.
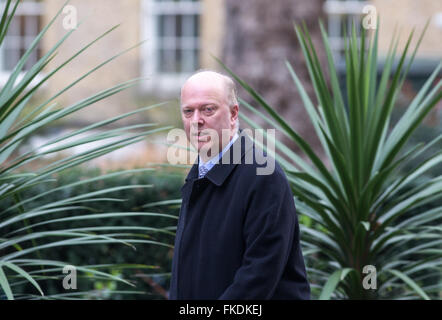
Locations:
(237, 234)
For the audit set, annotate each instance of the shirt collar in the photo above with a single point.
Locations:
(214, 160)
(222, 170)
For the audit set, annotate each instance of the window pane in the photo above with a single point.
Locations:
(196, 21)
(188, 25)
(169, 26)
(160, 26)
(196, 62)
(178, 61)
(188, 60)
(178, 25)
(10, 58)
(166, 25)
(177, 37)
(166, 60)
(14, 27)
(22, 31)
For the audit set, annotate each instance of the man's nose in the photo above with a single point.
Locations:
(197, 117)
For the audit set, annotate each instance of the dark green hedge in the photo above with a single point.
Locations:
(166, 186)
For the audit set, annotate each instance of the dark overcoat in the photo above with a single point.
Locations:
(238, 234)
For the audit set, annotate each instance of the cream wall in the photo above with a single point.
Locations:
(212, 32)
(409, 14)
(98, 16)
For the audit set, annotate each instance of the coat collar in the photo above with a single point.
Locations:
(221, 170)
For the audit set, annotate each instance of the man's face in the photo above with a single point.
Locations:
(204, 105)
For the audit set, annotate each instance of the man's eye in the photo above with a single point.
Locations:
(209, 110)
(187, 112)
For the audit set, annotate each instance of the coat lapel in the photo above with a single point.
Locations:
(219, 173)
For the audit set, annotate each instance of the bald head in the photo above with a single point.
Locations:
(212, 78)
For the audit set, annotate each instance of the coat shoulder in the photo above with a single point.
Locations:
(259, 166)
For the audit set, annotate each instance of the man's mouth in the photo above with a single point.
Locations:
(201, 137)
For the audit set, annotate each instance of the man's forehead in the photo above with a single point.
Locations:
(206, 76)
(204, 83)
(201, 96)
(194, 88)
(203, 88)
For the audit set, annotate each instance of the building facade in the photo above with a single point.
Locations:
(170, 39)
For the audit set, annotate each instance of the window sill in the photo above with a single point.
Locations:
(4, 77)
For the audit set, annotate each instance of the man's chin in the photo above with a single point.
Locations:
(204, 150)
(199, 145)
(203, 146)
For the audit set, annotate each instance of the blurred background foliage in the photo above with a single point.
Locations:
(154, 282)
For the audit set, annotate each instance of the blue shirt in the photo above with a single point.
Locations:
(209, 164)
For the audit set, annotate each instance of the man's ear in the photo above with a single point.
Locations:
(235, 112)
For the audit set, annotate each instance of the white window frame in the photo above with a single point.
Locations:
(24, 8)
(336, 12)
(160, 83)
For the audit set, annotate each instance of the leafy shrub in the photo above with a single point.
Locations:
(165, 186)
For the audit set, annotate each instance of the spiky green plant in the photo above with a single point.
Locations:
(363, 209)
(22, 241)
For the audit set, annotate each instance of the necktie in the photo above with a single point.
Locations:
(202, 171)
